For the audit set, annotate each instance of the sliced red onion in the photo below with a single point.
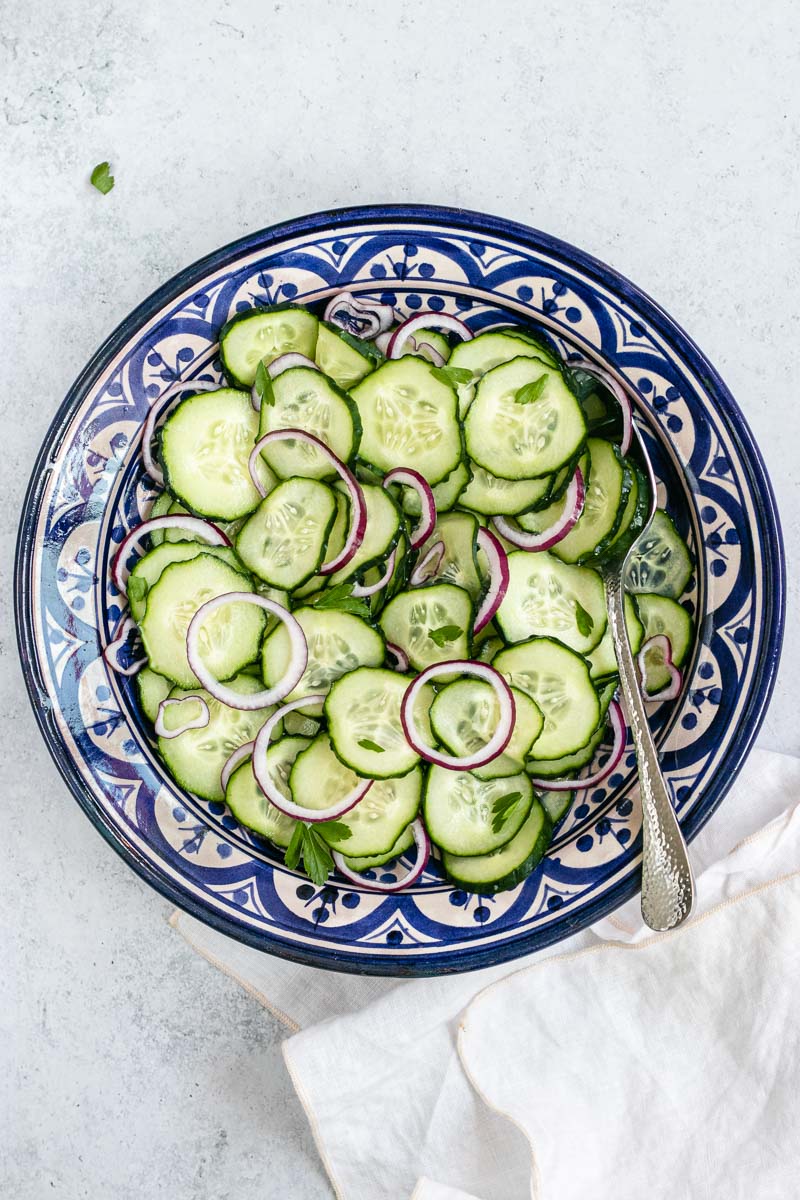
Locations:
(240, 754)
(298, 658)
(661, 642)
(198, 722)
(408, 477)
(204, 531)
(287, 806)
(358, 506)
(574, 501)
(426, 320)
(428, 565)
(383, 339)
(158, 409)
(620, 729)
(498, 578)
(426, 350)
(505, 724)
(423, 843)
(364, 590)
(358, 315)
(120, 638)
(620, 394)
(400, 655)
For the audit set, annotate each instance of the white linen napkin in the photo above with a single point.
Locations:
(661, 1072)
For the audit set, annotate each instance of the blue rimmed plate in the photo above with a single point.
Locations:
(88, 487)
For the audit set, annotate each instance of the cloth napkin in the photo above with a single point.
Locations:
(616, 1064)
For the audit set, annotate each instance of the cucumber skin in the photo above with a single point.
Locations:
(235, 381)
(513, 878)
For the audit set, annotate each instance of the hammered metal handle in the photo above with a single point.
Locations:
(667, 883)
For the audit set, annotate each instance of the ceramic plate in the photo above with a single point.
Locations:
(88, 487)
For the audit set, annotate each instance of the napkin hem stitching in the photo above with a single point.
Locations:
(308, 1108)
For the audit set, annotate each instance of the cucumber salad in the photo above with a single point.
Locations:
(364, 602)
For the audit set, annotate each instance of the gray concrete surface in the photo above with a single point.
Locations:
(662, 137)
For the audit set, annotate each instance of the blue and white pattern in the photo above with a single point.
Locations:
(88, 488)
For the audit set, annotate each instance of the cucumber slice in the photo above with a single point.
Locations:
(377, 821)
(336, 540)
(403, 843)
(230, 637)
(196, 758)
(285, 540)
(542, 516)
(459, 564)
(318, 778)
(249, 804)
(409, 419)
(343, 358)
(363, 713)
(663, 616)
(445, 494)
(557, 679)
(432, 624)
(149, 568)
(528, 440)
(488, 649)
(489, 495)
(548, 598)
(465, 815)
(556, 805)
(384, 525)
(338, 642)
(566, 766)
(160, 507)
(299, 726)
(261, 335)
(464, 716)
(417, 345)
(660, 561)
(151, 689)
(205, 447)
(489, 350)
(603, 659)
(302, 398)
(510, 865)
(606, 497)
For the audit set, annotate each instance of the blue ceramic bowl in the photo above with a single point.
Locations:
(88, 487)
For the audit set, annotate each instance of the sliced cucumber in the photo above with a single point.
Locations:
(488, 649)
(337, 642)
(420, 343)
(489, 495)
(603, 659)
(149, 568)
(466, 815)
(318, 778)
(548, 598)
(384, 525)
(151, 690)
(660, 561)
(261, 335)
(457, 531)
(230, 637)
(160, 507)
(556, 805)
(336, 540)
(377, 821)
(507, 866)
(566, 766)
(403, 843)
(465, 714)
(489, 350)
(196, 758)
(285, 540)
(302, 398)
(523, 440)
(445, 494)
(409, 419)
(363, 713)
(299, 726)
(558, 680)
(543, 516)
(248, 803)
(432, 624)
(604, 507)
(343, 358)
(663, 617)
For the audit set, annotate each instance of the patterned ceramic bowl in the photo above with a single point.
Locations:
(88, 487)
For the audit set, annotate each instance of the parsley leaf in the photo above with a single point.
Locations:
(263, 385)
(502, 809)
(531, 391)
(336, 830)
(306, 843)
(101, 178)
(366, 744)
(444, 635)
(452, 375)
(294, 850)
(583, 619)
(342, 599)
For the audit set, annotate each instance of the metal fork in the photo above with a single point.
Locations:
(667, 882)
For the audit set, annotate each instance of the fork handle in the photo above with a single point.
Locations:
(667, 883)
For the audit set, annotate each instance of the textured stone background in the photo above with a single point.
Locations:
(662, 137)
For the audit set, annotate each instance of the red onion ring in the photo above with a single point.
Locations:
(309, 815)
(433, 355)
(428, 565)
(499, 739)
(119, 638)
(200, 722)
(233, 761)
(157, 409)
(617, 719)
(205, 531)
(423, 843)
(574, 500)
(358, 507)
(400, 655)
(408, 477)
(383, 339)
(367, 318)
(426, 320)
(620, 394)
(226, 695)
(661, 642)
(364, 590)
(498, 578)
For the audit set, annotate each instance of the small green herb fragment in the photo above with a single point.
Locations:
(263, 385)
(444, 635)
(336, 829)
(101, 178)
(307, 844)
(529, 392)
(294, 851)
(366, 744)
(452, 375)
(583, 619)
(341, 599)
(502, 809)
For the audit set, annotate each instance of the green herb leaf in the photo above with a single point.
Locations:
(336, 829)
(502, 809)
(263, 385)
(583, 619)
(294, 850)
(366, 744)
(531, 391)
(101, 178)
(452, 375)
(317, 857)
(342, 599)
(444, 635)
